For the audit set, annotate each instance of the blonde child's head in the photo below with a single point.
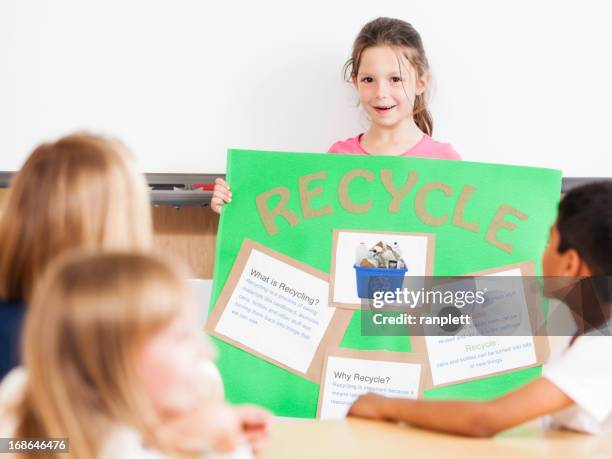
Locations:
(82, 191)
(110, 339)
(389, 68)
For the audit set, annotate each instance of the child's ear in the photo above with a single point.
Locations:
(574, 265)
(354, 80)
(422, 83)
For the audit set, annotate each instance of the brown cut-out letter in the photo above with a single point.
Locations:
(268, 215)
(386, 176)
(419, 203)
(464, 197)
(343, 195)
(498, 223)
(306, 195)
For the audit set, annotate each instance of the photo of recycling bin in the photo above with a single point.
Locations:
(380, 268)
(364, 262)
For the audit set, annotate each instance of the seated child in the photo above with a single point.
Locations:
(81, 191)
(114, 360)
(575, 389)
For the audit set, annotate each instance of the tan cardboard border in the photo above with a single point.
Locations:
(381, 356)
(542, 349)
(331, 338)
(429, 263)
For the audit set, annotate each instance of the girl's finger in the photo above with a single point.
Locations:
(215, 204)
(220, 182)
(224, 196)
(223, 190)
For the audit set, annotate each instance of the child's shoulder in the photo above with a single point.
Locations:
(432, 148)
(349, 146)
(122, 442)
(426, 148)
(12, 389)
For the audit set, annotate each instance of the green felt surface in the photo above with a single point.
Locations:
(533, 191)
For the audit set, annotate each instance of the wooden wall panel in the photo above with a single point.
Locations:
(189, 233)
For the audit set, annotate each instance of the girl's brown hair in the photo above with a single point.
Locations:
(82, 191)
(89, 317)
(399, 34)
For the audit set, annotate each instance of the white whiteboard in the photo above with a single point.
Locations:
(180, 81)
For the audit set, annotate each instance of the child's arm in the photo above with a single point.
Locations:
(255, 424)
(221, 195)
(471, 418)
(217, 427)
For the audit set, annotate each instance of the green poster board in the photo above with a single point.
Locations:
(508, 210)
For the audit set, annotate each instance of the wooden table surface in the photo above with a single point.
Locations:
(357, 439)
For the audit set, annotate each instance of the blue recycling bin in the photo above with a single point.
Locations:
(370, 280)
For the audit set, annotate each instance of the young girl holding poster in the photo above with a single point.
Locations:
(389, 69)
(574, 389)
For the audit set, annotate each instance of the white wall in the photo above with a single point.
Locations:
(521, 82)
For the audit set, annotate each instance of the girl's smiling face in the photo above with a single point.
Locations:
(175, 365)
(388, 84)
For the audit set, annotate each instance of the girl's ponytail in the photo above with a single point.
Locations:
(422, 117)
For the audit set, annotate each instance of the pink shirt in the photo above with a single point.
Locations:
(425, 148)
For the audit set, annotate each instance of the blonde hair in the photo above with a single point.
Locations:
(89, 316)
(82, 191)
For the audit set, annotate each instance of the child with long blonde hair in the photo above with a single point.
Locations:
(82, 191)
(115, 361)
(389, 70)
